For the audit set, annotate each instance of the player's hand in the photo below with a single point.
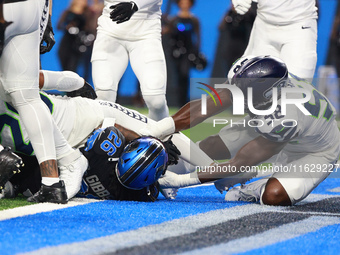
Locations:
(173, 152)
(123, 11)
(173, 180)
(241, 178)
(160, 129)
(86, 91)
(48, 41)
(242, 6)
(169, 193)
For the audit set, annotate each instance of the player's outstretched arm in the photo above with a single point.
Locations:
(251, 154)
(188, 116)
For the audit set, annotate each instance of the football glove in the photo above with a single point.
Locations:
(242, 6)
(123, 11)
(9, 165)
(48, 41)
(86, 91)
(172, 151)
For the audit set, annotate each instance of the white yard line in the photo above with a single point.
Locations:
(152, 233)
(279, 234)
(42, 207)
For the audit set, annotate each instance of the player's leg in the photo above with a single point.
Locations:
(109, 61)
(291, 182)
(148, 63)
(299, 48)
(262, 40)
(20, 68)
(306, 173)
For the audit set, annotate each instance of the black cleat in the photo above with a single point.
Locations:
(52, 194)
(3, 26)
(9, 165)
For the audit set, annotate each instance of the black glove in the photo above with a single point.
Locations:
(47, 41)
(173, 152)
(123, 11)
(86, 91)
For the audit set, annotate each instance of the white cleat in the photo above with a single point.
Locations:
(72, 173)
(247, 193)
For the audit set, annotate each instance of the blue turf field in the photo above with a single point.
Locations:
(198, 221)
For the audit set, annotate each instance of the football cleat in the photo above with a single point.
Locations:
(3, 27)
(55, 193)
(247, 193)
(9, 165)
(72, 173)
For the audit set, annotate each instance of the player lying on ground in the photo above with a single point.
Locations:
(78, 117)
(133, 177)
(307, 147)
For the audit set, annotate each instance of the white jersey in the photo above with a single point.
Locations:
(313, 133)
(284, 12)
(147, 9)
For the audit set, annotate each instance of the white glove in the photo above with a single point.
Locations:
(172, 180)
(159, 129)
(241, 6)
(169, 193)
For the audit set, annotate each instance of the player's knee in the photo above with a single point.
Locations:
(157, 105)
(106, 95)
(275, 194)
(155, 102)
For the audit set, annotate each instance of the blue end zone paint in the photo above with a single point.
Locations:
(333, 181)
(100, 219)
(323, 241)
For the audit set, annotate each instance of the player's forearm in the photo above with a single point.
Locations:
(128, 134)
(191, 113)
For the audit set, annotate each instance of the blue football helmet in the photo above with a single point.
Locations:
(262, 73)
(142, 162)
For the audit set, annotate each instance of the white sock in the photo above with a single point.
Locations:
(49, 181)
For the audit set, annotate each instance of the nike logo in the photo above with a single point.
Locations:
(305, 27)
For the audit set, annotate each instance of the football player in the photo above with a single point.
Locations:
(133, 177)
(19, 67)
(306, 150)
(78, 117)
(130, 31)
